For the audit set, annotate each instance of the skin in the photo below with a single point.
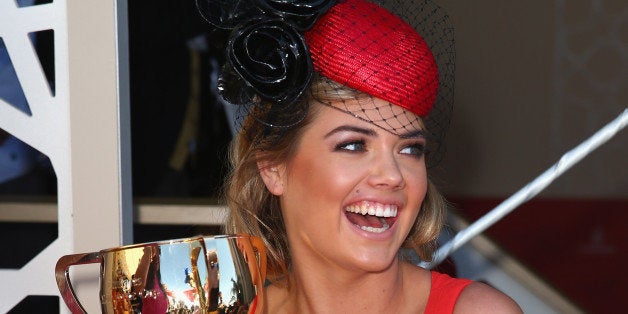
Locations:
(338, 267)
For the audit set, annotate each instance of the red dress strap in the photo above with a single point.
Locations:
(444, 293)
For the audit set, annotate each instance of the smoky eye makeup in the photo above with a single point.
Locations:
(413, 143)
(351, 146)
(416, 149)
(349, 138)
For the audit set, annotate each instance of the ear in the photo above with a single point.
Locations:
(273, 176)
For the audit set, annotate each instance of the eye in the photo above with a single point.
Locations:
(416, 149)
(352, 146)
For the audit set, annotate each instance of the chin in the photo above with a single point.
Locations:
(375, 262)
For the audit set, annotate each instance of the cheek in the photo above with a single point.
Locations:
(317, 184)
(419, 183)
(313, 180)
(416, 182)
(306, 200)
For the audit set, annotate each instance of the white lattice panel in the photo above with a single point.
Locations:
(81, 128)
(47, 130)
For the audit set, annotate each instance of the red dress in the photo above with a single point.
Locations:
(444, 293)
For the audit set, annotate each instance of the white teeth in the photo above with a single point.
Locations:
(387, 212)
(378, 210)
(384, 227)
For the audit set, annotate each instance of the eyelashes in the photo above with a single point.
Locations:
(351, 146)
(415, 149)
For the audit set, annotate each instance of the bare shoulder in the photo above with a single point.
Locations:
(481, 298)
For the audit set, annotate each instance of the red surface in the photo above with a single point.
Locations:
(363, 46)
(578, 246)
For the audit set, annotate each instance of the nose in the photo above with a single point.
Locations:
(386, 173)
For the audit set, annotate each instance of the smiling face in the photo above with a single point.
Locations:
(352, 191)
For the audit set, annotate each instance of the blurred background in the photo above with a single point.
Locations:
(534, 79)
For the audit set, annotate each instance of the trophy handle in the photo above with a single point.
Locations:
(260, 253)
(62, 275)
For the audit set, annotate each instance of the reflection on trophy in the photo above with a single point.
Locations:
(220, 274)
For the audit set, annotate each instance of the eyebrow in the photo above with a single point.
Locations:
(413, 134)
(351, 128)
(371, 132)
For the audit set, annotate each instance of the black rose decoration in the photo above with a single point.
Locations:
(301, 13)
(227, 13)
(233, 88)
(272, 58)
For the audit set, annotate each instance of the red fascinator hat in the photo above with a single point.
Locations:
(277, 53)
(363, 46)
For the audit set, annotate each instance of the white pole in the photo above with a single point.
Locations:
(533, 188)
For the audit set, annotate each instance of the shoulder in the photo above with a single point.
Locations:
(481, 298)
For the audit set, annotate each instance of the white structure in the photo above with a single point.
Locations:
(83, 128)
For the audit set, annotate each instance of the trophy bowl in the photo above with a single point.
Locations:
(212, 274)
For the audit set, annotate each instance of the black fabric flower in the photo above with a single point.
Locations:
(268, 66)
(272, 59)
(227, 14)
(301, 13)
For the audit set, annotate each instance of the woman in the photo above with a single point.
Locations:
(330, 165)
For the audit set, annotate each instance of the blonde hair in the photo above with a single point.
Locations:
(254, 210)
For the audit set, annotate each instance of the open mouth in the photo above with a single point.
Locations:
(372, 217)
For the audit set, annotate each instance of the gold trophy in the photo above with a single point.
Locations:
(217, 274)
